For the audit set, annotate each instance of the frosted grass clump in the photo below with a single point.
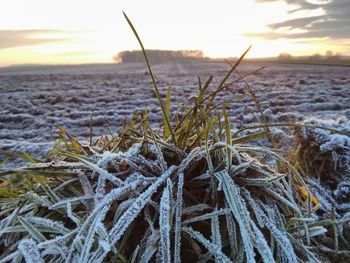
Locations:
(323, 150)
(327, 140)
(190, 190)
(161, 214)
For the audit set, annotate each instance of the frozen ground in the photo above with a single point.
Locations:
(35, 100)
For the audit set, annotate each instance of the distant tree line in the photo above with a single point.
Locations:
(329, 55)
(160, 56)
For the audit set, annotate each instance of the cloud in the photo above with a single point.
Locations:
(266, 35)
(338, 33)
(297, 23)
(79, 53)
(333, 24)
(18, 38)
(305, 4)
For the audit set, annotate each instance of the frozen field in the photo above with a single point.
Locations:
(35, 100)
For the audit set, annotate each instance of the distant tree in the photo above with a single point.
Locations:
(316, 56)
(333, 56)
(329, 54)
(284, 55)
(159, 56)
(337, 55)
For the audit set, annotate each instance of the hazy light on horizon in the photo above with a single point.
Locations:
(56, 32)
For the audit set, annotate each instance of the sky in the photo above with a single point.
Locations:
(93, 31)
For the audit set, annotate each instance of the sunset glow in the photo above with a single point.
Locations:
(60, 32)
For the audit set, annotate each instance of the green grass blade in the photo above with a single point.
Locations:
(167, 132)
(290, 125)
(249, 137)
(91, 129)
(233, 68)
(167, 121)
(228, 139)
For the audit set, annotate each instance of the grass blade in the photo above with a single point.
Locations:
(164, 223)
(167, 121)
(32, 230)
(178, 215)
(212, 248)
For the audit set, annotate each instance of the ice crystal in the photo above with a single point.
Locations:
(29, 249)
